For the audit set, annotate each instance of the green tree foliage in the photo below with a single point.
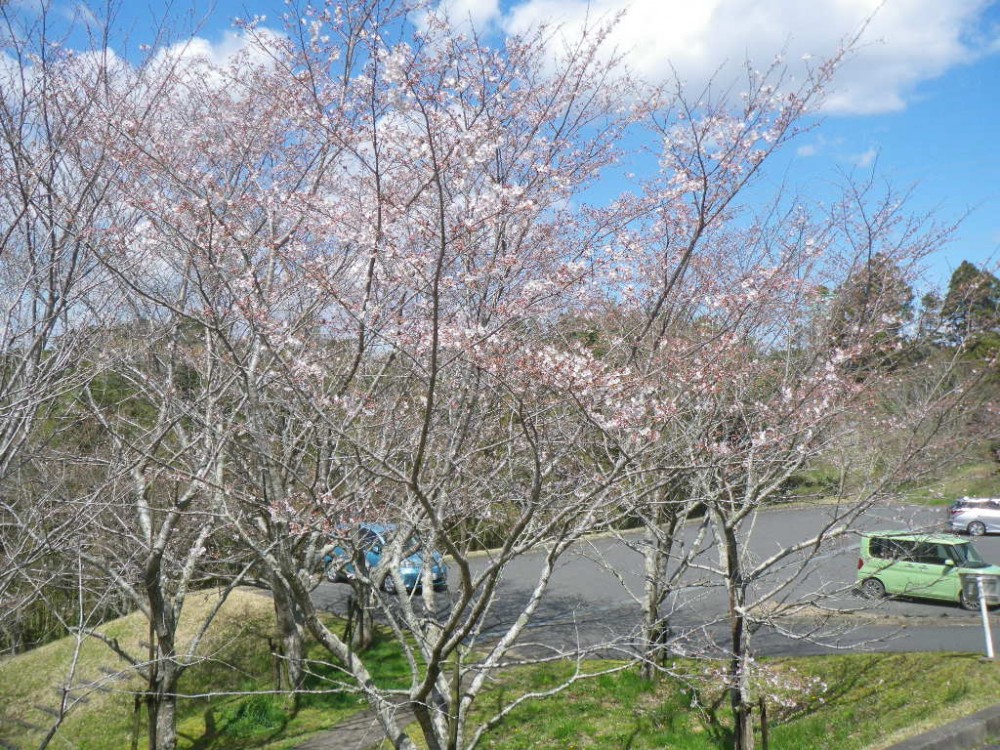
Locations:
(972, 305)
(929, 318)
(871, 309)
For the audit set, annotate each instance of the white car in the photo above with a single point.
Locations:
(975, 515)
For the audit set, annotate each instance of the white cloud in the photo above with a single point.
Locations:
(197, 63)
(198, 54)
(9, 70)
(80, 12)
(18, 79)
(480, 15)
(820, 144)
(906, 41)
(866, 159)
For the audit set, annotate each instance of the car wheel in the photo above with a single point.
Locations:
(968, 602)
(872, 588)
(977, 528)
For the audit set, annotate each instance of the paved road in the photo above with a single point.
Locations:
(588, 605)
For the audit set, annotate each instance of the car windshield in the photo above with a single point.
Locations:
(967, 556)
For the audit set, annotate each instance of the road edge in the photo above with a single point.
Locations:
(963, 734)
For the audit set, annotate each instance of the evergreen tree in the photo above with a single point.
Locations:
(870, 311)
(972, 305)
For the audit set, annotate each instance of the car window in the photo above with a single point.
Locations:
(368, 539)
(967, 556)
(930, 554)
(882, 548)
(890, 549)
(415, 542)
(977, 504)
(969, 503)
(876, 547)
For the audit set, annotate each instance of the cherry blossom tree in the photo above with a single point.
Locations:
(778, 394)
(676, 258)
(51, 287)
(344, 273)
(750, 367)
(351, 274)
(381, 259)
(144, 405)
(119, 509)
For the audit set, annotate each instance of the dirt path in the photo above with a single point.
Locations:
(360, 732)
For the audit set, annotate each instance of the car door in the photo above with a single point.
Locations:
(893, 563)
(991, 516)
(938, 570)
(371, 543)
(908, 576)
(922, 571)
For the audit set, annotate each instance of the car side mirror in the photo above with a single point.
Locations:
(949, 563)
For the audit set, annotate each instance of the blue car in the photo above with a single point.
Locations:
(371, 539)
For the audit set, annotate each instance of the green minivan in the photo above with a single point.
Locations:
(928, 566)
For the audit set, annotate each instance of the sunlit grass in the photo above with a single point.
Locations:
(974, 479)
(235, 663)
(853, 702)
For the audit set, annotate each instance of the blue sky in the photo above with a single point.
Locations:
(921, 93)
(946, 143)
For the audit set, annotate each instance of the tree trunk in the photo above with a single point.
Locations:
(436, 712)
(290, 623)
(161, 704)
(740, 701)
(163, 720)
(164, 671)
(655, 626)
(361, 617)
(425, 718)
(739, 677)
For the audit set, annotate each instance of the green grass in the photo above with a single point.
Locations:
(266, 722)
(817, 481)
(104, 686)
(236, 659)
(852, 702)
(974, 479)
(876, 700)
(975, 475)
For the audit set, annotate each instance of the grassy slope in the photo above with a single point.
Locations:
(235, 661)
(102, 686)
(974, 479)
(979, 476)
(849, 702)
